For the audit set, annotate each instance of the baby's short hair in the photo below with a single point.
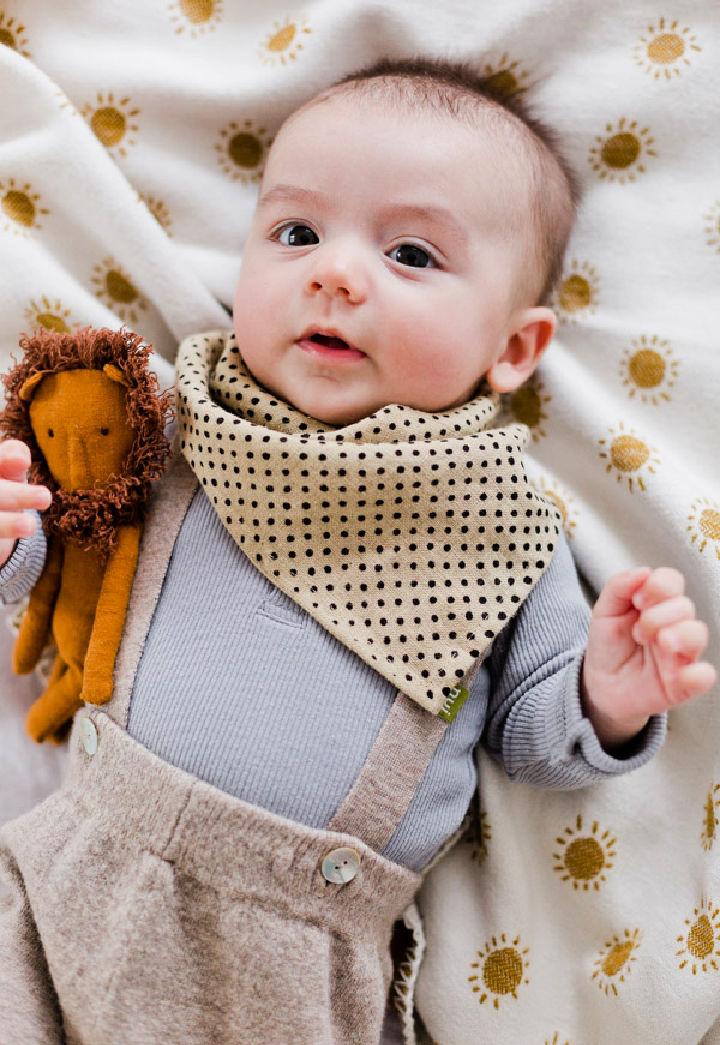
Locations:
(455, 89)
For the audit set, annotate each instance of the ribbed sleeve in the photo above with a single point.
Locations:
(21, 571)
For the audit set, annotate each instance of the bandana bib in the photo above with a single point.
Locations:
(412, 537)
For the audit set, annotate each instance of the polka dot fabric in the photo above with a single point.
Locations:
(413, 538)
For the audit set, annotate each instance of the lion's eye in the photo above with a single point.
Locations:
(104, 431)
(51, 433)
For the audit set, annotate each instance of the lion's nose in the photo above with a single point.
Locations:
(79, 463)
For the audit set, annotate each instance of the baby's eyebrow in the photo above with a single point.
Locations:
(283, 193)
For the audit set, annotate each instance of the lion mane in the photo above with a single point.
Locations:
(91, 517)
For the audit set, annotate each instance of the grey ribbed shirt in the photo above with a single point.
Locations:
(240, 687)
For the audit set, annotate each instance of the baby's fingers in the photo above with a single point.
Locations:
(687, 638)
(696, 679)
(14, 496)
(14, 525)
(670, 611)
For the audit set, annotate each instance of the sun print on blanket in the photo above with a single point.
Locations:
(584, 856)
(629, 457)
(115, 289)
(12, 35)
(710, 821)
(649, 369)
(614, 962)
(704, 525)
(158, 210)
(196, 17)
(700, 945)
(20, 206)
(111, 121)
(664, 50)
(526, 405)
(285, 41)
(576, 295)
(563, 501)
(620, 154)
(556, 1040)
(712, 227)
(501, 970)
(49, 315)
(241, 151)
(505, 78)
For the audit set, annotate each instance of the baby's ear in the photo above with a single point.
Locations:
(27, 389)
(115, 374)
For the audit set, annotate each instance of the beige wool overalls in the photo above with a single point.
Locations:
(152, 907)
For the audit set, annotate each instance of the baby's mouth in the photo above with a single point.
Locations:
(329, 345)
(330, 342)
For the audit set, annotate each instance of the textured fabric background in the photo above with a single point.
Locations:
(131, 143)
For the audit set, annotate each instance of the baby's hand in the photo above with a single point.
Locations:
(16, 494)
(642, 651)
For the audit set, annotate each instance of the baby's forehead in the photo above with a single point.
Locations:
(455, 147)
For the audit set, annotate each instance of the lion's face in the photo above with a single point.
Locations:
(80, 422)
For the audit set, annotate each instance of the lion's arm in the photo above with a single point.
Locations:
(36, 622)
(110, 617)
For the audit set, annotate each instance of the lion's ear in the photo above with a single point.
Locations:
(27, 389)
(115, 374)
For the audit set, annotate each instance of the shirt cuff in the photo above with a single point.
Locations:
(21, 571)
(578, 738)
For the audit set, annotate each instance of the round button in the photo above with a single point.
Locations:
(341, 866)
(88, 736)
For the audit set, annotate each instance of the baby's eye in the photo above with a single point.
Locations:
(297, 235)
(413, 256)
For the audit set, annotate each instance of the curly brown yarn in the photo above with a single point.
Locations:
(91, 518)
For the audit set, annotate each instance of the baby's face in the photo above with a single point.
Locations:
(402, 236)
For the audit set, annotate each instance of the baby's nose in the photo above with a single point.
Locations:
(338, 278)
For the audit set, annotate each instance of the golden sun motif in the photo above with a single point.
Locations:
(701, 944)
(713, 227)
(11, 35)
(501, 970)
(50, 315)
(562, 500)
(620, 154)
(242, 150)
(284, 42)
(111, 122)
(649, 368)
(576, 295)
(504, 78)
(115, 289)
(526, 405)
(665, 49)
(196, 16)
(584, 857)
(478, 834)
(20, 207)
(555, 1040)
(614, 961)
(628, 455)
(704, 525)
(710, 820)
(159, 211)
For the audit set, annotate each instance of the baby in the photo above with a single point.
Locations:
(346, 584)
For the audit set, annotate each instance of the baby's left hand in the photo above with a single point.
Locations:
(642, 651)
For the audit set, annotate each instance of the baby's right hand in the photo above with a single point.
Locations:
(16, 494)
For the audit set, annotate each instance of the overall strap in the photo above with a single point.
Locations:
(167, 510)
(394, 768)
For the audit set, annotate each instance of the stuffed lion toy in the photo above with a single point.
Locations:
(88, 408)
